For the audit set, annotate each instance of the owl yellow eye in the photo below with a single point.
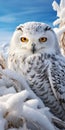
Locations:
(24, 39)
(43, 39)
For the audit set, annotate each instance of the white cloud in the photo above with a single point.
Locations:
(14, 16)
(7, 18)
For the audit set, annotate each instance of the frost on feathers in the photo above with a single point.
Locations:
(60, 8)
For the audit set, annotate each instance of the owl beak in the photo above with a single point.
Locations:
(33, 49)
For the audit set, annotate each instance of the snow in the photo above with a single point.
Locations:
(36, 116)
(4, 90)
(59, 31)
(60, 8)
(60, 22)
(17, 104)
(56, 7)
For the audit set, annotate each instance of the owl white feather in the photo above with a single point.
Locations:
(35, 53)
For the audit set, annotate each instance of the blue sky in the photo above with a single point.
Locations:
(15, 12)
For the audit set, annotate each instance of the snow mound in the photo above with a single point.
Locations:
(20, 108)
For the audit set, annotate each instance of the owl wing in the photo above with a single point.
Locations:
(56, 75)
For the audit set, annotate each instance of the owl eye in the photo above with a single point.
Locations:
(24, 39)
(43, 39)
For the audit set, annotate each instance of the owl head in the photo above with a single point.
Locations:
(34, 37)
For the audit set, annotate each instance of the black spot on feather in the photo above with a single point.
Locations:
(47, 28)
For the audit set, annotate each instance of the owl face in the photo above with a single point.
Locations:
(34, 37)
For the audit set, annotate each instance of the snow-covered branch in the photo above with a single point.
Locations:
(60, 8)
(59, 31)
(20, 108)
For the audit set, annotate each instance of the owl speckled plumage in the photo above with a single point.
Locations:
(34, 52)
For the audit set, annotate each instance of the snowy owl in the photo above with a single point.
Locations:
(34, 52)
